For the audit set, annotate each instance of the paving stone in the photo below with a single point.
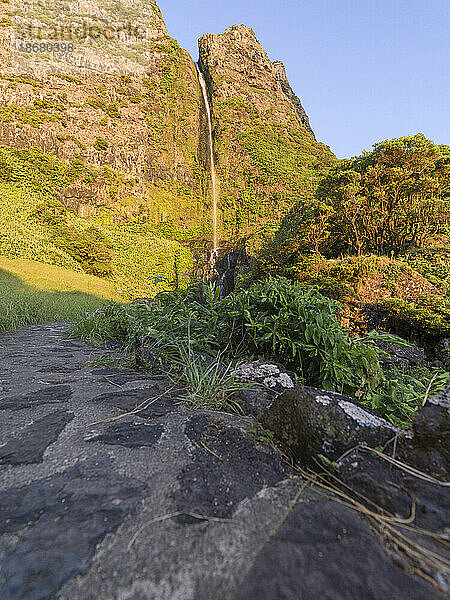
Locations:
(130, 435)
(30, 445)
(46, 395)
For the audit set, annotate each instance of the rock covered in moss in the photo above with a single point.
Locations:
(428, 450)
(312, 422)
(270, 378)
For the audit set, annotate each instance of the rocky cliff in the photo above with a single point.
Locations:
(120, 105)
(267, 154)
(127, 98)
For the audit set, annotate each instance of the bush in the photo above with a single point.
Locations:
(89, 248)
(385, 202)
(275, 319)
(423, 318)
(101, 144)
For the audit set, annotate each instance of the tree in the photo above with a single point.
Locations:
(388, 200)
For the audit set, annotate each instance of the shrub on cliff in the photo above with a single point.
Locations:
(383, 202)
(390, 199)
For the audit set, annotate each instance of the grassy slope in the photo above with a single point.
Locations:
(137, 257)
(32, 293)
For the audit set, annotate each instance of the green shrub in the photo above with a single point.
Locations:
(101, 144)
(424, 317)
(276, 319)
(110, 108)
(89, 248)
(386, 201)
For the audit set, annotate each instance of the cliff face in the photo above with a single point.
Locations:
(122, 108)
(281, 77)
(126, 99)
(118, 36)
(267, 154)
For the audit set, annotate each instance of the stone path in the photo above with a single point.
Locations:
(113, 510)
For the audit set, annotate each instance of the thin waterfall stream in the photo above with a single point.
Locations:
(202, 81)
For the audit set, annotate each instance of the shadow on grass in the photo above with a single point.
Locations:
(22, 304)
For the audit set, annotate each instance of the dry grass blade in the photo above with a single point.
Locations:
(139, 408)
(389, 526)
(172, 516)
(407, 468)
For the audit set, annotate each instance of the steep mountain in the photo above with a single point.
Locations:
(126, 102)
(267, 154)
(102, 110)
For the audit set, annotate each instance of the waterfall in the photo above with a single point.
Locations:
(202, 81)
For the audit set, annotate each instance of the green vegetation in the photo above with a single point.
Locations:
(424, 316)
(386, 201)
(33, 293)
(132, 261)
(29, 115)
(392, 201)
(207, 382)
(275, 318)
(109, 108)
(401, 393)
(101, 144)
(267, 163)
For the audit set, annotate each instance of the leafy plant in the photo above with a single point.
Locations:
(288, 322)
(401, 394)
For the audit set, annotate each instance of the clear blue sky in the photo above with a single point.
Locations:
(365, 70)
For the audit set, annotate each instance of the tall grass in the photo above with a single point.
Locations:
(33, 293)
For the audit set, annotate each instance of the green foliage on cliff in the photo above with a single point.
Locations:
(389, 201)
(109, 108)
(38, 226)
(385, 201)
(265, 167)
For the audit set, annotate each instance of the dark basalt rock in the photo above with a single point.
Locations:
(30, 445)
(226, 467)
(226, 269)
(160, 400)
(429, 449)
(57, 368)
(442, 352)
(49, 395)
(120, 376)
(399, 357)
(324, 551)
(396, 491)
(270, 378)
(62, 519)
(80, 533)
(311, 422)
(412, 498)
(130, 435)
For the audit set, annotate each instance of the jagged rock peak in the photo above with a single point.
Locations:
(281, 76)
(236, 64)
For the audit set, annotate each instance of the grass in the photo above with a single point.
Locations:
(138, 258)
(33, 293)
(207, 384)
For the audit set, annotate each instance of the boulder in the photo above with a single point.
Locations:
(397, 356)
(428, 450)
(270, 378)
(311, 422)
(442, 352)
